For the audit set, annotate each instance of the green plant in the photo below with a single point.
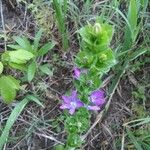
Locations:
(16, 59)
(26, 51)
(133, 25)
(94, 59)
(24, 58)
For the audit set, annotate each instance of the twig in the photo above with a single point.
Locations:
(3, 25)
(49, 137)
(122, 141)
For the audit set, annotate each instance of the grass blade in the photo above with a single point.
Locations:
(60, 11)
(14, 46)
(138, 122)
(133, 14)
(133, 139)
(12, 118)
(24, 43)
(35, 99)
(137, 53)
(31, 71)
(44, 49)
(37, 39)
(144, 4)
(130, 34)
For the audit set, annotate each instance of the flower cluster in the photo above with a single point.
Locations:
(72, 102)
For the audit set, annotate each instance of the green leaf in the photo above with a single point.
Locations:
(5, 57)
(71, 124)
(74, 140)
(14, 46)
(31, 71)
(1, 67)
(35, 99)
(106, 60)
(59, 147)
(12, 118)
(137, 53)
(37, 39)
(24, 43)
(44, 49)
(46, 69)
(8, 93)
(79, 122)
(133, 14)
(84, 59)
(21, 67)
(20, 56)
(15, 83)
(8, 87)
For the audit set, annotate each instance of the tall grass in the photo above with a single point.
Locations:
(60, 8)
(132, 30)
(138, 132)
(12, 118)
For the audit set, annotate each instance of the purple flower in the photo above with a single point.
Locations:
(71, 102)
(98, 97)
(76, 73)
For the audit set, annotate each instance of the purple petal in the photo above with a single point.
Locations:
(71, 102)
(97, 97)
(93, 107)
(74, 94)
(65, 106)
(66, 99)
(76, 73)
(98, 93)
(72, 110)
(99, 101)
(79, 104)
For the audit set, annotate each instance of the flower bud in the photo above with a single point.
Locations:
(104, 56)
(97, 28)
